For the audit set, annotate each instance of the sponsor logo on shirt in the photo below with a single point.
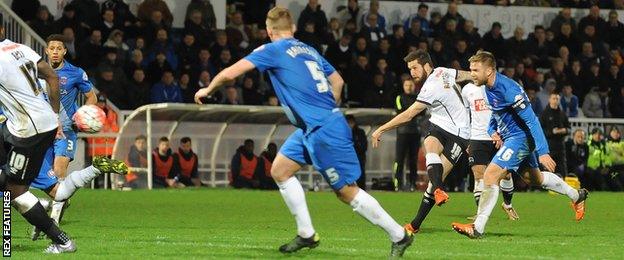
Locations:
(63, 80)
(480, 105)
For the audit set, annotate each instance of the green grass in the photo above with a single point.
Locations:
(223, 223)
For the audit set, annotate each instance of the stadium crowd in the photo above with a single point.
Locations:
(140, 59)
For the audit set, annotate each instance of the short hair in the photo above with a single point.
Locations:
(163, 139)
(140, 137)
(185, 140)
(279, 18)
(248, 141)
(423, 5)
(56, 38)
(485, 57)
(421, 56)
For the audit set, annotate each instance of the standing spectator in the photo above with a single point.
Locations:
(373, 8)
(91, 51)
(238, 33)
(453, 14)
(576, 80)
(556, 128)
(598, 162)
(408, 140)
(246, 167)
(539, 48)
(614, 31)
(187, 164)
(493, 41)
(340, 53)
(569, 102)
(593, 18)
(596, 103)
(165, 166)
(107, 25)
(103, 146)
(43, 24)
(352, 13)
(188, 90)
(516, 45)
(567, 37)
(372, 31)
(268, 156)
(206, 10)
(167, 90)
(421, 16)
(359, 80)
(309, 36)
(137, 158)
(564, 16)
(615, 148)
(187, 52)
(231, 96)
(69, 19)
(138, 90)
(26, 9)
(577, 152)
(195, 25)
(146, 10)
(313, 13)
(360, 144)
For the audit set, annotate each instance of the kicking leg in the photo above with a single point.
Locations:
(552, 182)
(428, 200)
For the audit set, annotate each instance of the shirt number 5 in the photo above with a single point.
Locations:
(317, 75)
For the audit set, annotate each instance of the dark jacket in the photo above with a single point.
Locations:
(576, 155)
(317, 16)
(551, 119)
(236, 165)
(403, 102)
(360, 143)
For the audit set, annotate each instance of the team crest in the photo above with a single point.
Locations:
(63, 80)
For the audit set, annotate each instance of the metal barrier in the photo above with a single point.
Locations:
(18, 31)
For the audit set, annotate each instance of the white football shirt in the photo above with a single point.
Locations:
(448, 109)
(480, 113)
(21, 97)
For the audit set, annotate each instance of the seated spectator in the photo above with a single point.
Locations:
(187, 161)
(576, 80)
(268, 155)
(538, 48)
(203, 82)
(225, 60)
(351, 13)
(108, 25)
(596, 103)
(43, 24)
(564, 16)
(516, 45)
(147, 8)
(246, 168)
(567, 37)
(188, 90)
(187, 52)
(167, 90)
(614, 31)
(371, 30)
(137, 158)
(91, 51)
(421, 16)
(138, 90)
(272, 101)
(312, 13)
(557, 72)
(206, 9)
(69, 19)
(472, 37)
(569, 102)
(339, 53)
(439, 55)
(593, 19)
(163, 45)
(195, 26)
(111, 60)
(493, 41)
(361, 49)
(88, 13)
(452, 14)
(165, 167)
(231, 96)
(239, 34)
(390, 78)
(251, 95)
(536, 104)
(221, 42)
(70, 44)
(613, 79)
(415, 33)
(359, 81)
(373, 9)
(157, 67)
(116, 41)
(334, 32)
(150, 28)
(136, 62)
(461, 54)
(108, 84)
(577, 152)
(309, 36)
(380, 94)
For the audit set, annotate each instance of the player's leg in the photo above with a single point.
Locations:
(478, 171)
(64, 153)
(287, 162)
(507, 188)
(433, 150)
(400, 150)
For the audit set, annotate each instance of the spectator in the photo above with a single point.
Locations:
(91, 51)
(598, 161)
(360, 144)
(136, 62)
(359, 81)
(548, 88)
(598, 45)
(556, 128)
(352, 12)
(613, 79)
(272, 101)
(381, 93)
(592, 77)
(26, 9)
(207, 12)
(472, 37)
(372, 31)
(398, 43)
(43, 22)
(539, 49)
(260, 37)
(615, 148)
(415, 33)
(493, 41)
(138, 90)
(238, 33)
(165, 167)
(221, 43)
(146, 10)
(439, 55)
(123, 16)
(202, 32)
(268, 156)
(70, 44)
(225, 60)
(115, 40)
(569, 102)
(452, 14)
(617, 103)
(251, 94)
(69, 19)
(167, 90)
(576, 80)
(373, 8)
(246, 168)
(450, 36)
(594, 19)
(564, 17)
(157, 67)
(597, 102)
(204, 63)
(309, 36)
(408, 140)
(188, 90)
(568, 38)
(557, 72)
(461, 54)
(614, 31)
(107, 25)
(516, 45)
(231, 96)
(109, 84)
(536, 104)
(313, 13)
(421, 16)
(340, 54)
(203, 82)
(564, 55)
(361, 49)
(187, 164)
(163, 45)
(577, 152)
(151, 27)
(103, 146)
(88, 13)
(137, 158)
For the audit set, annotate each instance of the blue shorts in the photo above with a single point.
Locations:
(46, 177)
(66, 147)
(513, 153)
(329, 149)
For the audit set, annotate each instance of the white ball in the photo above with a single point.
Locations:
(89, 118)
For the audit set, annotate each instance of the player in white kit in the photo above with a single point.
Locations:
(450, 125)
(31, 127)
(482, 148)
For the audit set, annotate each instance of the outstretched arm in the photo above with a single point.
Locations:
(463, 76)
(398, 120)
(224, 77)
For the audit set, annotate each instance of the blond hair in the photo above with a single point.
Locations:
(279, 19)
(485, 58)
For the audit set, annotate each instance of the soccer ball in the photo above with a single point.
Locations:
(89, 118)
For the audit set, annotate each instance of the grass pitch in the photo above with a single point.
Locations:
(224, 223)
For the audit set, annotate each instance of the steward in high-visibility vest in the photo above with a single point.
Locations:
(246, 167)
(188, 163)
(266, 181)
(165, 166)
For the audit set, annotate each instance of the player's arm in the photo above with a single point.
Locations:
(398, 120)
(54, 93)
(337, 83)
(493, 132)
(91, 98)
(463, 76)
(224, 77)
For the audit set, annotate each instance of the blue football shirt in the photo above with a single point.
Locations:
(72, 81)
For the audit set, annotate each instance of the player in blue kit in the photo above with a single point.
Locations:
(308, 88)
(516, 129)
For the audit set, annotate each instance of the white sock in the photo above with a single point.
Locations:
(368, 207)
(57, 209)
(74, 181)
(489, 197)
(478, 188)
(293, 195)
(552, 182)
(45, 203)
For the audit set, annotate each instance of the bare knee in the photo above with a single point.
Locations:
(283, 168)
(493, 174)
(347, 193)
